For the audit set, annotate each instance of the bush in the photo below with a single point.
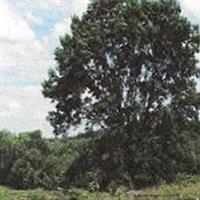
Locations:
(30, 161)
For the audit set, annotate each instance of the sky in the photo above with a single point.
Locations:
(29, 34)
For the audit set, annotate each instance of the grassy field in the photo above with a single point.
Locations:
(8, 194)
(183, 191)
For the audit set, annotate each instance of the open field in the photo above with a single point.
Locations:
(189, 191)
(8, 194)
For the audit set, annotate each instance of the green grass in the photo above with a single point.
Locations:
(39, 194)
(187, 188)
(163, 192)
(184, 191)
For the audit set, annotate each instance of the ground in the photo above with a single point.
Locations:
(183, 191)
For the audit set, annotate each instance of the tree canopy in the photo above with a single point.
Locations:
(125, 63)
(129, 66)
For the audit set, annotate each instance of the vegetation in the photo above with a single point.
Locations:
(186, 188)
(8, 194)
(68, 152)
(29, 161)
(129, 69)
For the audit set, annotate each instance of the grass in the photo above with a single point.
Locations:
(187, 188)
(163, 192)
(39, 194)
(183, 191)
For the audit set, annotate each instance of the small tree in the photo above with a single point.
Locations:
(130, 66)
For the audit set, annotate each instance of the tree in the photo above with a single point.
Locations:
(22, 175)
(7, 154)
(129, 67)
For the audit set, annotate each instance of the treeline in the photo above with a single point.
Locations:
(91, 161)
(29, 161)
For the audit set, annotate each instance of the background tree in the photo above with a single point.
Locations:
(7, 155)
(129, 66)
(29, 161)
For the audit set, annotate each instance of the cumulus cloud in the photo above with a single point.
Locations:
(20, 51)
(13, 27)
(24, 109)
(24, 61)
(26, 55)
(191, 9)
(72, 6)
(29, 59)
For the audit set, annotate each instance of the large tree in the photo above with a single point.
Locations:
(130, 66)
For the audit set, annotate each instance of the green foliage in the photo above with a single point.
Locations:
(186, 187)
(29, 161)
(22, 174)
(129, 67)
(7, 154)
(77, 194)
(8, 194)
(187, 179)
(163, 192)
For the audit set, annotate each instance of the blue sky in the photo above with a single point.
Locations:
(29, 32)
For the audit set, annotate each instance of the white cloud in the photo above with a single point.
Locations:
(27, 58)
(191, 9)
(79, 6)
(13, 27)
(23, 109)
(30, 59)
(19, 48)
(71, 6)
(46, 5)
